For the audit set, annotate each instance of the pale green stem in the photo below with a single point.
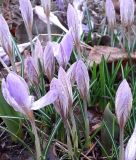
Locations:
(37, 142)
(86, 122)
(69, 144)
(129, 39)
(121, 153)
(74, 130)
(4, 65)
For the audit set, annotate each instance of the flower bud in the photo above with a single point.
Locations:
(110, 13)
(27, 14)
(130, 152)
(16, 93)
(127, 9)
(123, 103)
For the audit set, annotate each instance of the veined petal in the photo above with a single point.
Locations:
(71, 73)
(61, 103)
(67, 85)
(16, 93)
(38, 53)
(130, 152)
(49, 61)
(9, 99)
(27, 14)
(82, 79)
(123, 103)
(30, 70)
(5, 37)
(46, 100)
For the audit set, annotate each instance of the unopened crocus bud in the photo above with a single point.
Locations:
(130, 152)
(49, 61)
(110, 13)
(5, 37)
(63, 50)
(16, 93)
(127, 8)
(62, 76)
(38, 54)
(78, 72)
(30, 70)
(74, 19)
(61, 103)
(27, 14)
(123, 103)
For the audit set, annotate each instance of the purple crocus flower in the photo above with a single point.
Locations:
(49, 61)
(63, 50)
(31, 70)
(60, 4)
(127, 9)
(62, 76)
(27, 14)
(110, 13)
(16, 92)
(74, 19)
(78, 72)
(130, 151)
(123, 103)
(61, 103)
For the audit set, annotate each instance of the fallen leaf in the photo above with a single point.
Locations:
(111, 54)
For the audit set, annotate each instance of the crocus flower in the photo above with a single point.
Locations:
(5, 37)
(130, 152)
(31, 70)
(78, 72)
(62, 76)
(123, 103)
(63, 50)
(74, 19)
(127, 8)
(16, 92)
(60, 4)
(27, 14)
(110, 13)
(38, 53)
(61, 103)
(49, 61)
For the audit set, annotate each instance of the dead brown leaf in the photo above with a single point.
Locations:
(111, 54)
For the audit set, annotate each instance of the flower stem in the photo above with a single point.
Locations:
(74, 131)
(121, 153)
(49, 28)
(86, 121)
(37, 142)
(69, 144)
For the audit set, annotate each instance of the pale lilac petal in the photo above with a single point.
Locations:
(82, 79)
(127, 9)
(130, 152)
(30, 70)
(123, 103)
(9, 99)
(71, 73)
(110, 13)
(46, 100)
(49, 61)
(74, 19)
(5, 37)
(61, 104)
(27, 14)
(16, 93)
(38, 53)
(67, 85)
(67, 45)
